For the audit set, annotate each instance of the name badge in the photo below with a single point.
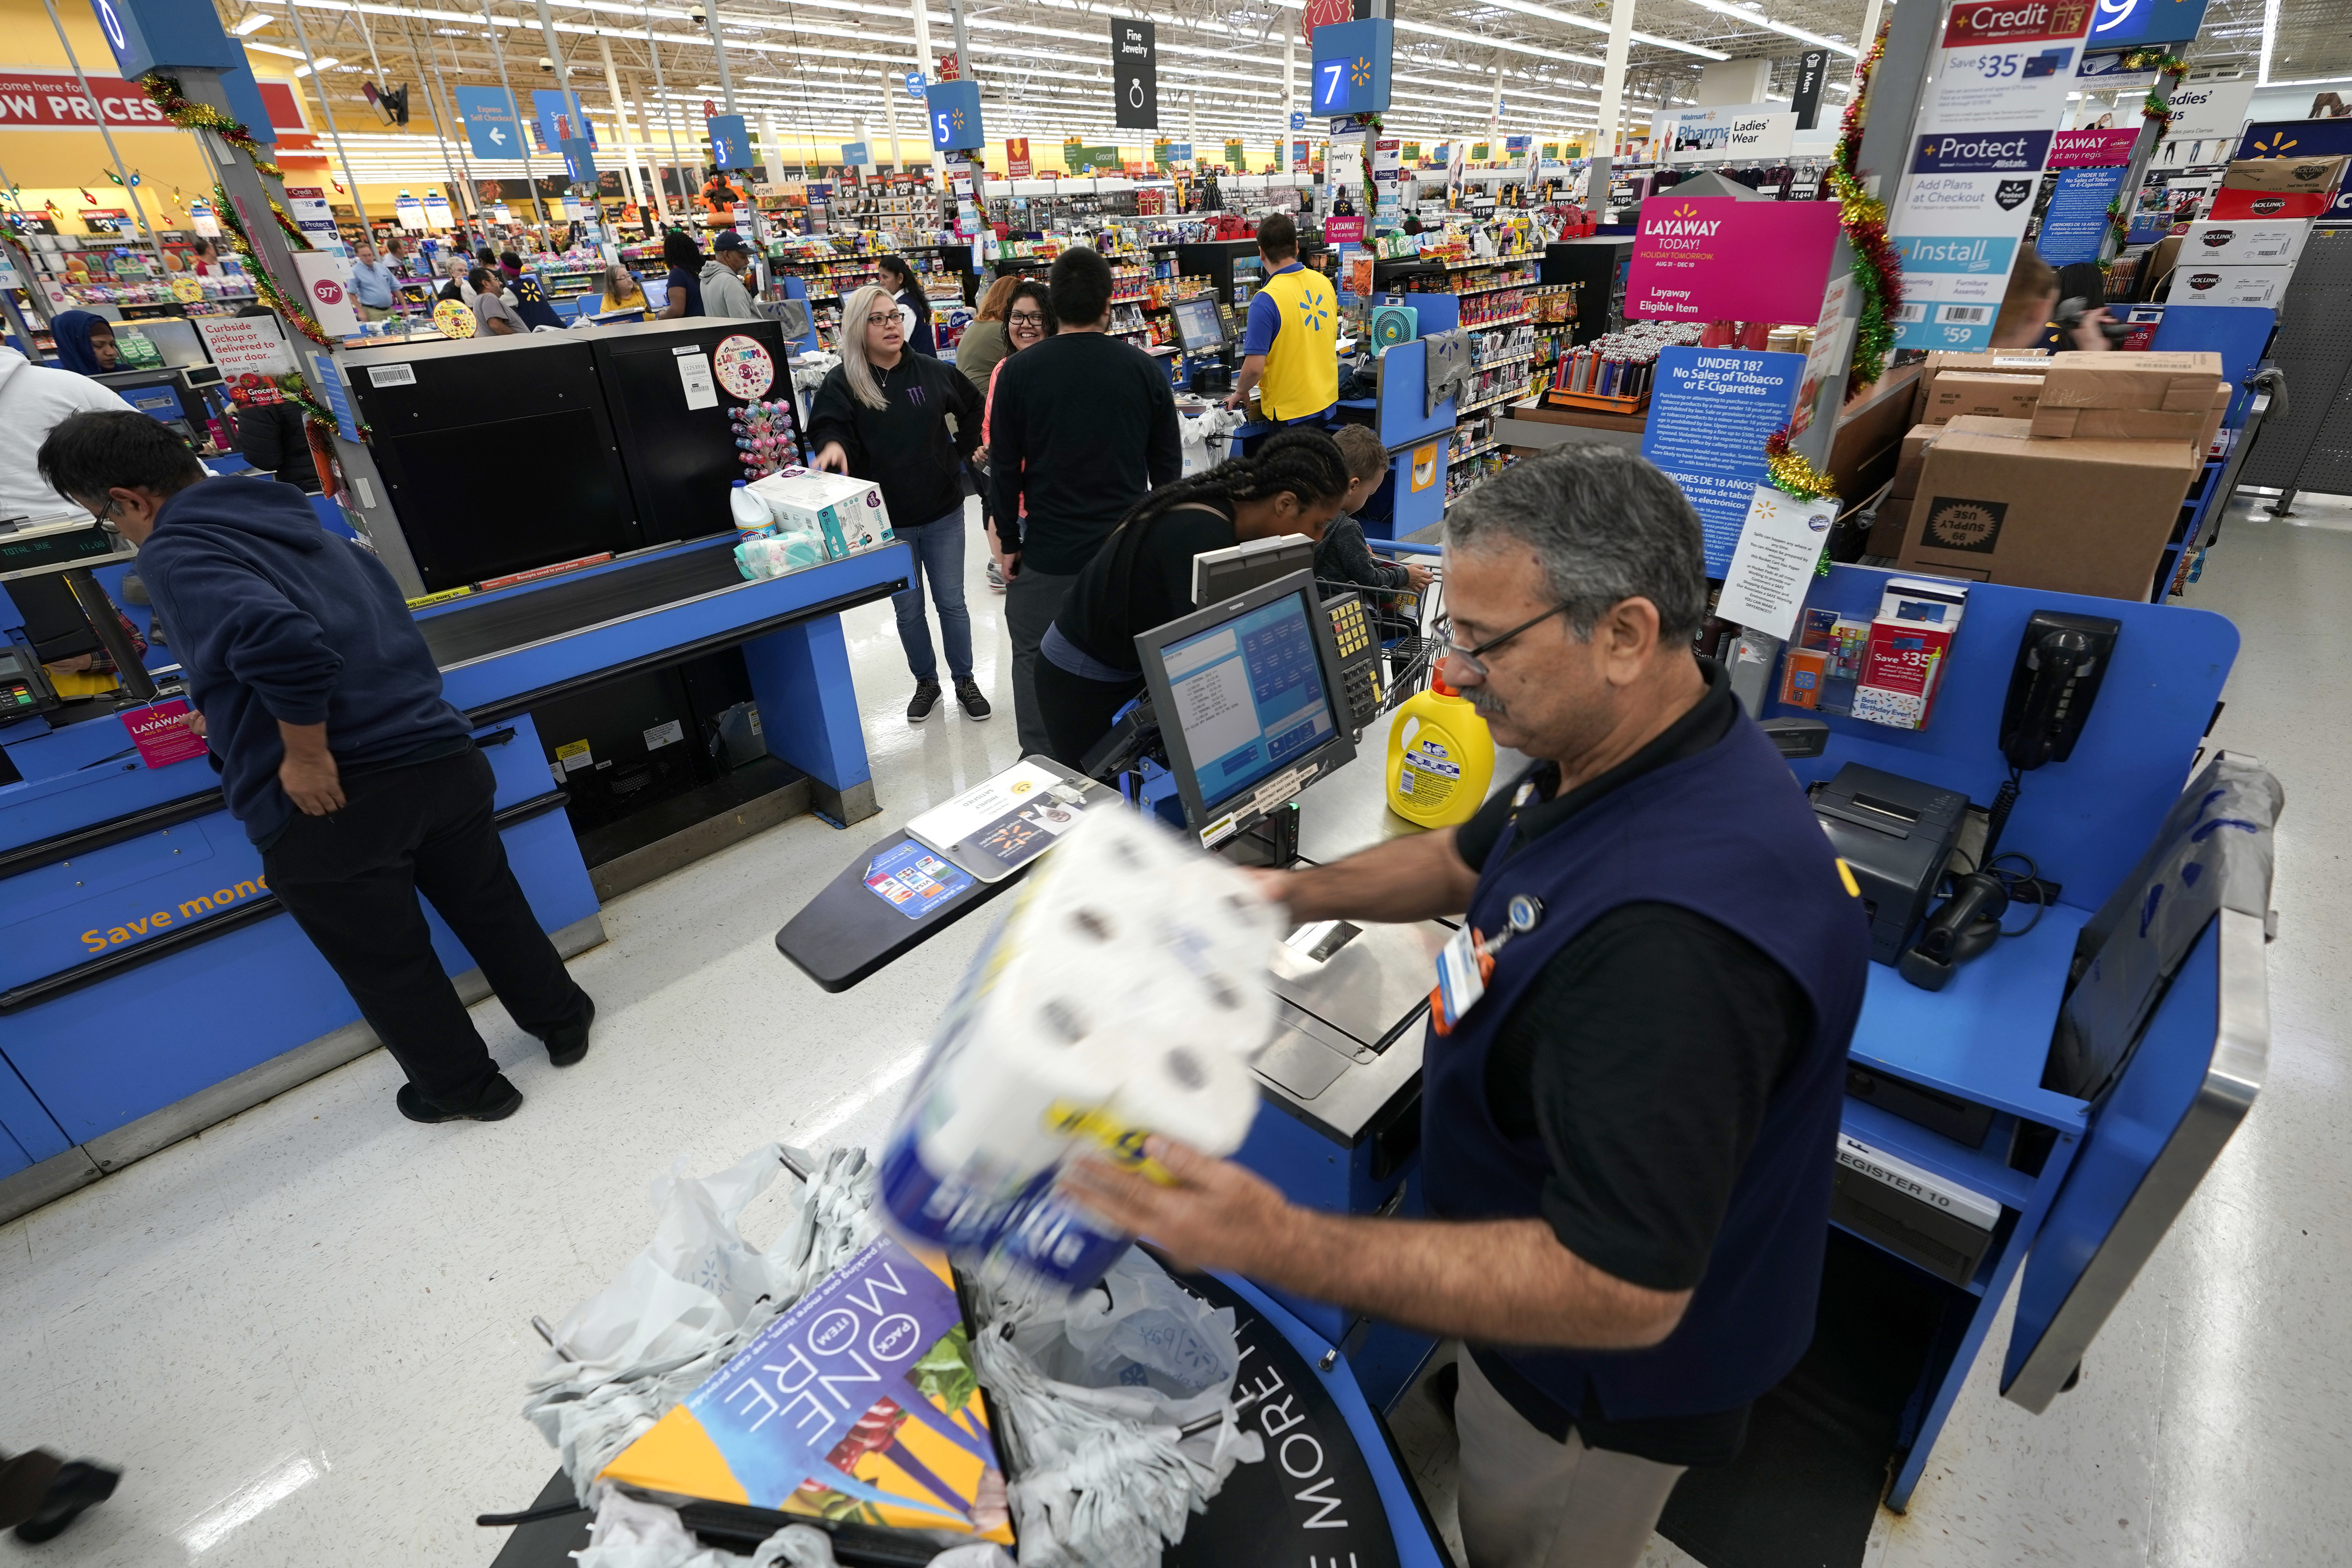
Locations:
(1463, 967)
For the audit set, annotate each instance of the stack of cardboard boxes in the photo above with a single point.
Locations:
(2064, 473)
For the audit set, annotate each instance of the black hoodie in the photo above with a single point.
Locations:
(275, 618)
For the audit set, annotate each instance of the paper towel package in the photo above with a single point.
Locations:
(1123, 997)
(849, 514)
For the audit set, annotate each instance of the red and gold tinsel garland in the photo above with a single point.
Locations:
(264, 287)
(1877, 271)
(164, 92)
(2163, 65)
(1791, 473)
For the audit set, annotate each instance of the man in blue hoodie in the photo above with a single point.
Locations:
(359, 786)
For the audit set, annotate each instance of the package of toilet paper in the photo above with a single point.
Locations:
(1122, 996)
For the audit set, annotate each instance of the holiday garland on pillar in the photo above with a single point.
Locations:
(1863, 217)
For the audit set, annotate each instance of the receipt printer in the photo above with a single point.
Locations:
(1894, 834)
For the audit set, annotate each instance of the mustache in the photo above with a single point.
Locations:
(1485, 702)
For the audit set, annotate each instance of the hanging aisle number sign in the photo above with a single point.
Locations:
(1351, 67)
(954, 110)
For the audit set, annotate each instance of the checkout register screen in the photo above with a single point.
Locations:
(1249, 696)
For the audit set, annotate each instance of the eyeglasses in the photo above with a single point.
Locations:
(104, 516)
(1026, 319)
(1470, 656)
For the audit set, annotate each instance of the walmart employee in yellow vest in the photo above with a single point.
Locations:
(1291, 351)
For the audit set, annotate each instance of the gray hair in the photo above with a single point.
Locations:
(849, 341)
(1606, 525)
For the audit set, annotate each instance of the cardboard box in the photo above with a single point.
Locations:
(2174, 383)
(848, 513)
(1916, 443)
(2193, 283)
(1985, 394)
(2209, 432)
(2118, 425)
(2284, 176)
(1991, 362)
(2244, 244)
(2074, 516)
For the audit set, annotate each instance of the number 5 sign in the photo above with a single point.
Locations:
(954, 110)
(1351, 67)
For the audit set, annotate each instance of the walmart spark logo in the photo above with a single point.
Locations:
(2275, 145)
(957, 116)
(1314, 312)
(1360, 71)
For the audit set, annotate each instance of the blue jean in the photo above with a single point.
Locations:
(937, 549)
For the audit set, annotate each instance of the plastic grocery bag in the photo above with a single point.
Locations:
(690, 1300)
(1113, 1410)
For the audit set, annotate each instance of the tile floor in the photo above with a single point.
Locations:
(304, 1333)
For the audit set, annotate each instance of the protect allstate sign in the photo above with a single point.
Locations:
(1981, 152)
(1719, 258)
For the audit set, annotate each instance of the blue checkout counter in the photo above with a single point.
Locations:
(150, 985)
(2084, 1191)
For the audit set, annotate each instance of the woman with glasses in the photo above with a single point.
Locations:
(882, 415)
(982, 344)
(1028, 322)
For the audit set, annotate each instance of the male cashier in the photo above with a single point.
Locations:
(1627, 1131)
(1291, 349)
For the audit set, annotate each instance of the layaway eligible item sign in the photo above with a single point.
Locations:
(1780, 545)
(1718, 259)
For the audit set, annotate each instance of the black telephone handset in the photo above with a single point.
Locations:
(2061, 662)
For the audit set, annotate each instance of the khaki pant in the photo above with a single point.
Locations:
(1530, 1502)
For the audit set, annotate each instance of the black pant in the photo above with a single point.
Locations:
(351, 879)
(1077, 712)
(24, 1485)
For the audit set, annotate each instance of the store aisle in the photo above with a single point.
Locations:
(304, 1333)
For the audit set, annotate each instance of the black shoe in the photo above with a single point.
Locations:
(568, 1044)
(974, 704)
(76, 1486)
(498, 1102)
(926, 699)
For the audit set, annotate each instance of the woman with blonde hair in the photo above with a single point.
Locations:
(882, 415)
(983, 342)
(622, 291)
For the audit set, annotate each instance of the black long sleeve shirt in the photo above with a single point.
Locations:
(1082, 426)
(904, 445)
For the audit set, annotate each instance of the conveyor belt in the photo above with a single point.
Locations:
(515, 620)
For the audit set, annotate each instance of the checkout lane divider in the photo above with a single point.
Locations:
(65, 982)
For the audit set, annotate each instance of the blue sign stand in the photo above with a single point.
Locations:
(730, 141)
(953, 110)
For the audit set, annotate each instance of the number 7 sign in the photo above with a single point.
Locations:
(1351, 67)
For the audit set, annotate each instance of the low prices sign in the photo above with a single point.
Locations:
(53, 100)
(1718, 259)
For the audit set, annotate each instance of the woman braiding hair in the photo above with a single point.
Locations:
(1143, 577)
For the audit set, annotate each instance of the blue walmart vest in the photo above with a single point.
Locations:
(1727, 834)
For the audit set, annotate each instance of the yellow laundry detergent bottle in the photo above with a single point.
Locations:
(1441, 758)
